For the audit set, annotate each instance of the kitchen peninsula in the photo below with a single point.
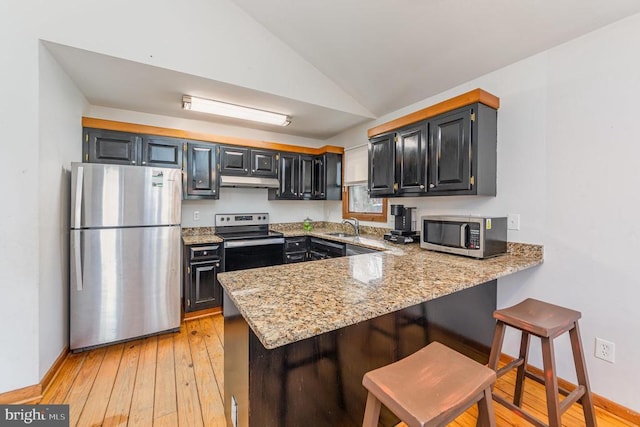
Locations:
(299, 337)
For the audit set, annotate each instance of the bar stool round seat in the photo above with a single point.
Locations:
(546, 321)
(430, 388)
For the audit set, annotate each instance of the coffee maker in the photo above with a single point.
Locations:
(405, 225)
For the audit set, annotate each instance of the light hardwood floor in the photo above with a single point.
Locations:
(177, 380)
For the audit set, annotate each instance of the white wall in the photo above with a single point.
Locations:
(567, 163)
(208, 38)
(60, 107)
(19, 218)
(250, 200)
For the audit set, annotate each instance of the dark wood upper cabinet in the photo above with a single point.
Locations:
(411, 165)
(300, 176)
(397, 162)
(331, 178)
(104, 146)
(319, 182)
(382, 165)
(162, 152)
(463, 152)
(201, 175)
(453, 153)
(248, 162)
(234, 160)
(264, 163)
(308, 177)
(450, 152)
(289, 172)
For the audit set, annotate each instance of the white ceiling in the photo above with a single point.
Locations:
(386, 54)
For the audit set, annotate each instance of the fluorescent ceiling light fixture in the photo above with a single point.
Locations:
(236, 111)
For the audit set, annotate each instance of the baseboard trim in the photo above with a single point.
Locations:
(52, 373)
(21, 395)
(33, 393)
(599, 401)
(202, 313)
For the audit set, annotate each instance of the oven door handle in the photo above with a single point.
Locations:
(253, 242)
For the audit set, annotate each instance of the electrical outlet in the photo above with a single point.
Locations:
(196, 215)
(513, 222)
(605, 350)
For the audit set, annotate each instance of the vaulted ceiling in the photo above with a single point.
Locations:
(382, 55)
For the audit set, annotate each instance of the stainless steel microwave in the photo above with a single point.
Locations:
(477, 237)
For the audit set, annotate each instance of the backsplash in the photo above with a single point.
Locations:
(294, 226)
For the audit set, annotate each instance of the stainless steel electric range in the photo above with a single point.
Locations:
(248, 242)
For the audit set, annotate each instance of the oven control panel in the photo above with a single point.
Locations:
(222, 220)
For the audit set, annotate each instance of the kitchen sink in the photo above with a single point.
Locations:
(340, 234)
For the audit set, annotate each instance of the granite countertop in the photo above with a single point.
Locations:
(199, 236)
(287, 303)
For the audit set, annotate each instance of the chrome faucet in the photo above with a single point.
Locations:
(355, 224)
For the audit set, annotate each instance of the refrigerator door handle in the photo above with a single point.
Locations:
(77, 259)
(78, 198)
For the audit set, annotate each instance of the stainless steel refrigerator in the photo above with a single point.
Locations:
(124, 252)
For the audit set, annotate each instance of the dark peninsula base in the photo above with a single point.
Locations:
(318, 381)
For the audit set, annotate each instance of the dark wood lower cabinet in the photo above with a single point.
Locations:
(201, 266)
(204, 290)
(318, 381)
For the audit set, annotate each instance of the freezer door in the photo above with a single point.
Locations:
(125, 283)
(124, 196)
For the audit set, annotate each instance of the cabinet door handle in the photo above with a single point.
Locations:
(144, 163)
(432, 185)
(76, 265)
(133, 162)
(246, 170)
(77, 211)
(421, 186)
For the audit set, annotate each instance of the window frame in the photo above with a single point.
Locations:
(374, 217)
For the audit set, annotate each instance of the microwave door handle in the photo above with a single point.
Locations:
(463, 235)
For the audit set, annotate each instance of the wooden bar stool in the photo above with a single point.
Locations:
(430, 388)
(547, 321)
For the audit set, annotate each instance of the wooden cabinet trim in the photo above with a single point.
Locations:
(90, 122)
(471, 97)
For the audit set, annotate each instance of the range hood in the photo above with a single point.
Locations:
(248, 182)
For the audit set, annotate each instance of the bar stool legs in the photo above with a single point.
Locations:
(581, 374)
(546, 321)
(371, 411)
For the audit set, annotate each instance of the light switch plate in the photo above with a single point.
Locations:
(196, 215)
(513, 222)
